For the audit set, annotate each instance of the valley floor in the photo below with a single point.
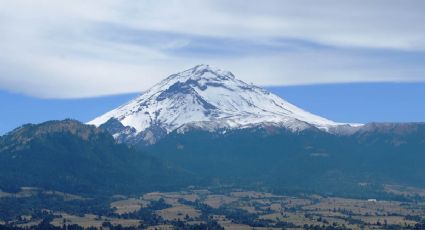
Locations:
(211, 208)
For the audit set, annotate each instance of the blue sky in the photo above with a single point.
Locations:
(18, 109)
(76, 52)
(360, 102)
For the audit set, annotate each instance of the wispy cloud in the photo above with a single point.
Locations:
(82, 48)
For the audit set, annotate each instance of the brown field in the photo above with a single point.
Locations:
(179, 212)
(128, 205)
(385, 219)
(245, 207)
(215, 201)
(161, 227)
(360, 207)
(90, 220)
(405, 191)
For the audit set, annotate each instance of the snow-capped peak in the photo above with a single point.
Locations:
(207, 98)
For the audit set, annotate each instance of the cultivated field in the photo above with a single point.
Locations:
(233, 208)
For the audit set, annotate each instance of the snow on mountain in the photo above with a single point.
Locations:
(206, 98)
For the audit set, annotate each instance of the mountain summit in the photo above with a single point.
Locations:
(205, 98)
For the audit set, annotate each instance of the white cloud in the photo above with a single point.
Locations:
(82, 48)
